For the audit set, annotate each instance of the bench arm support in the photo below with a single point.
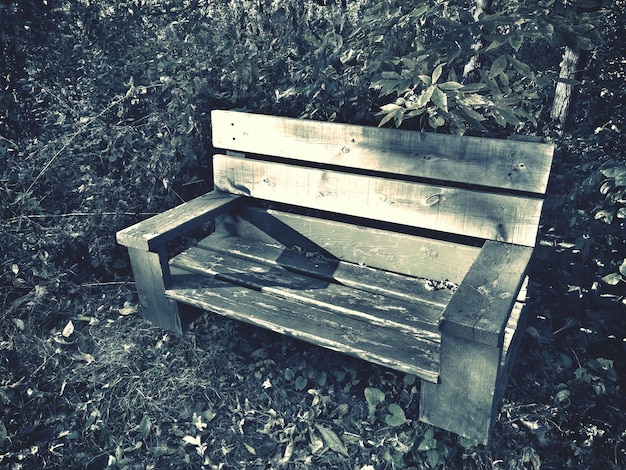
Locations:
(152, 233)
(480, 308)
(472, 377)
(146, 242)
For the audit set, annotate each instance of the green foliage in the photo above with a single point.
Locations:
(419, 52)
(613, 211)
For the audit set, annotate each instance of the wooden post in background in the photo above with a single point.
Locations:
(572, 66)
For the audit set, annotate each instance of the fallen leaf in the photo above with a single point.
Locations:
(198, 423)
(196, 441)
(127, 309)
(145, 426)
(3, 432)
(332, 440)
(68, 330)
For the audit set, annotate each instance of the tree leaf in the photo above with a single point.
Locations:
(521, 67)
(498, 66)
(436, 73)
(424, 97)
(612, 279)
(622, 267)
(332, 440)
(614, 171)
(436, 121)
(425, 79)
(515, 40)
(450, 86)
(440, 99)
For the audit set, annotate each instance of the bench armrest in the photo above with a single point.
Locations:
(480, 308)
(152, 233)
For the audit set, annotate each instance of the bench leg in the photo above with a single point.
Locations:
(151, 278)
(465, 401)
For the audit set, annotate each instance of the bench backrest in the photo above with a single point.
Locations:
(467, 186)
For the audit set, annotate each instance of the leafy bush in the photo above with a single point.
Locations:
(613, 212)
(420, 51)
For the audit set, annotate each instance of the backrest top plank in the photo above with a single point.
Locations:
(506, 164)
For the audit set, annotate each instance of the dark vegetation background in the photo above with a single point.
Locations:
(104, 120)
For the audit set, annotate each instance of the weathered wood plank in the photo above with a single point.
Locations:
(463, 401)
(508, 218)
(364, 278)
(516, 325)
(151, 274)
(521, 166)
(473, 379)
(384, 346)
(479, 309)
(403, 253)
(158, 230)
(420, 319)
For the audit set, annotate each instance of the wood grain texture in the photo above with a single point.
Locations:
(508, 218)
(463, 401)
(313, 264)
(383, 249)
(151, 233)
(151, 278)
(521, 166)
(480, 308)
(385, 346)
(413, 318)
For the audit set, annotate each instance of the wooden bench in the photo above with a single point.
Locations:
(342, 236)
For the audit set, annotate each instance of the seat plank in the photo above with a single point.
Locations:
(420, 319)
(384, 346)
(372, 280)
(523, 166)
(402, 253)
(508, 218)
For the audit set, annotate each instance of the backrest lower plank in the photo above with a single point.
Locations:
(366, 246)
(502, 217)
(514, 165)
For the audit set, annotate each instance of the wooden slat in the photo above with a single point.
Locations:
(355, 276)
(417, 319)
(516, 325)
(480, 308)
(392, 251)
(506, 218)
(151, 233)
(384, 346)
(521, 166)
